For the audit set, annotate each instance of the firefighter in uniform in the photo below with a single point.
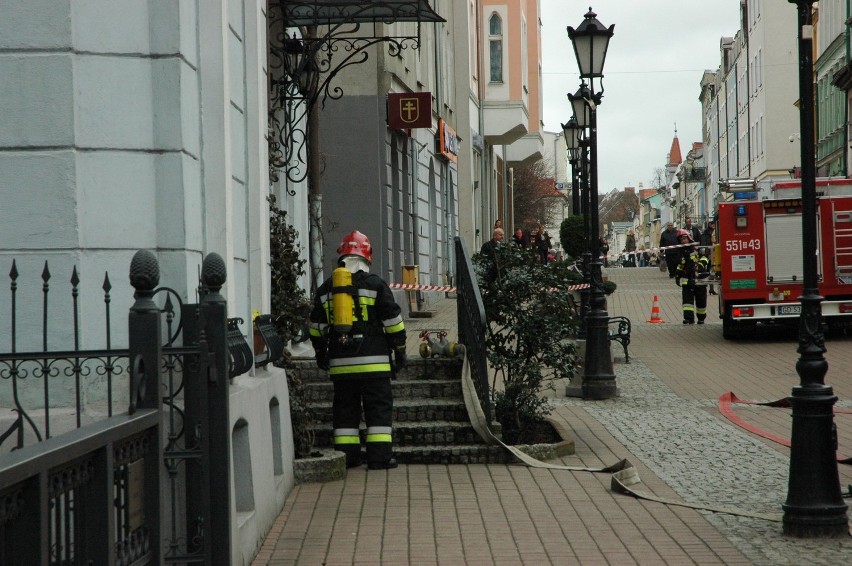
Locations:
(355, 326)
(691, 276)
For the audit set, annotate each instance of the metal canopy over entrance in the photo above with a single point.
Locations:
(310, 42)
(329, 12)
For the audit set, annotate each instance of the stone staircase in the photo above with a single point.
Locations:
(431, 425)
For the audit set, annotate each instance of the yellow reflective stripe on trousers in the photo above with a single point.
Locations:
(346, 436)
(359, 368)
(379, 434)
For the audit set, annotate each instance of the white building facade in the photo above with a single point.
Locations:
(749, 103)
(130, 125)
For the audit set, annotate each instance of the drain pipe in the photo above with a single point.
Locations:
(413, 212)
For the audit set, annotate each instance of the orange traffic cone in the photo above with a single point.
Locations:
(655, 312)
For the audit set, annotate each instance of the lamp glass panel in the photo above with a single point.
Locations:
(582, 50)
(570, 130)
(581, 110)
(600, 42)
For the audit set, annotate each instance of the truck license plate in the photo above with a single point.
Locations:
(790, 309)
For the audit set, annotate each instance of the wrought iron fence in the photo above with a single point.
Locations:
(145, 479)
(29, 378)
(472, 325)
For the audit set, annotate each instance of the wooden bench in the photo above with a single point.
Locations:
(273, 345)
(619, 331)
(240, 354)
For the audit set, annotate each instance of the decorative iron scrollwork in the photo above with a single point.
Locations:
(309, 44)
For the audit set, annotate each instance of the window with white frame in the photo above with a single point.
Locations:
(495, 43)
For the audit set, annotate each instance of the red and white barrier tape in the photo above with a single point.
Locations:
(411, 287)
(439, 288)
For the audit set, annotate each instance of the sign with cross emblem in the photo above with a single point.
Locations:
(409, 110)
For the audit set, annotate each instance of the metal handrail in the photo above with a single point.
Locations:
(472, 326)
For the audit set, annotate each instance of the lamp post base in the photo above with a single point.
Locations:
(598, 375)
(599, 389)
(814, 506)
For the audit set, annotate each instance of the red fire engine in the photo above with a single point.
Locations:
(759, 254)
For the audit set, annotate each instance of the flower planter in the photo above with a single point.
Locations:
(324, 467)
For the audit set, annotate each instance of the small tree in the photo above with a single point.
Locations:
(535, 201)
(290, 304)
(571, 236)
(290, 309)
(531, 317)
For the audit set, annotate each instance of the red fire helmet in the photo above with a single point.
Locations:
(681, 233)
(356, 243)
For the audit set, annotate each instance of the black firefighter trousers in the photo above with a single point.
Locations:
(694, 303)
(376, 397)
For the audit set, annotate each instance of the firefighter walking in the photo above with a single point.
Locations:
(355, 326)
(691, 276)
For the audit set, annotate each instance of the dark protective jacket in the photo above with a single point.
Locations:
(377, 328)
(693, 269)
(668, 238)
(489, 253)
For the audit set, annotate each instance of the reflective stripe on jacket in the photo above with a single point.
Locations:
(693, 269)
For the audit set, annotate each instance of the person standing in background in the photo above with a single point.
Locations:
(691, 276)
(694, 231)
(630, 248)
(487, 251)
(708, 238)
(544, 243)
(672, 257)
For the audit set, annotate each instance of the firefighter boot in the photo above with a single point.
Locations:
(389, 465)
(380, 449)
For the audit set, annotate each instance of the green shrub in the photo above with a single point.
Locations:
(290, 309)
(571, 236)
(531, 318)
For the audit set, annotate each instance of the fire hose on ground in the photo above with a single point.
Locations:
(624, 474)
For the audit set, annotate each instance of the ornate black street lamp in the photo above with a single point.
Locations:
(583, 116)
(578, 151)
(572, 131)
(590, 41)
(814, 506)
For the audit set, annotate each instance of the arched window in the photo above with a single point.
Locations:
(495, 41)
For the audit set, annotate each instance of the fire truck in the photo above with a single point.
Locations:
(758, 255)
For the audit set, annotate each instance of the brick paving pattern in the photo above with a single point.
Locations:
(666, 421)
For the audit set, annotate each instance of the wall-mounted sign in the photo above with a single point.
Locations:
(407, 110)
(447, 141)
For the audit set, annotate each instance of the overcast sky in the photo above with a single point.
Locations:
(652, 76)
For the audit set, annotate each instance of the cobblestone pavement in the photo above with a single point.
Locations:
(666, 421)
(707, 461)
